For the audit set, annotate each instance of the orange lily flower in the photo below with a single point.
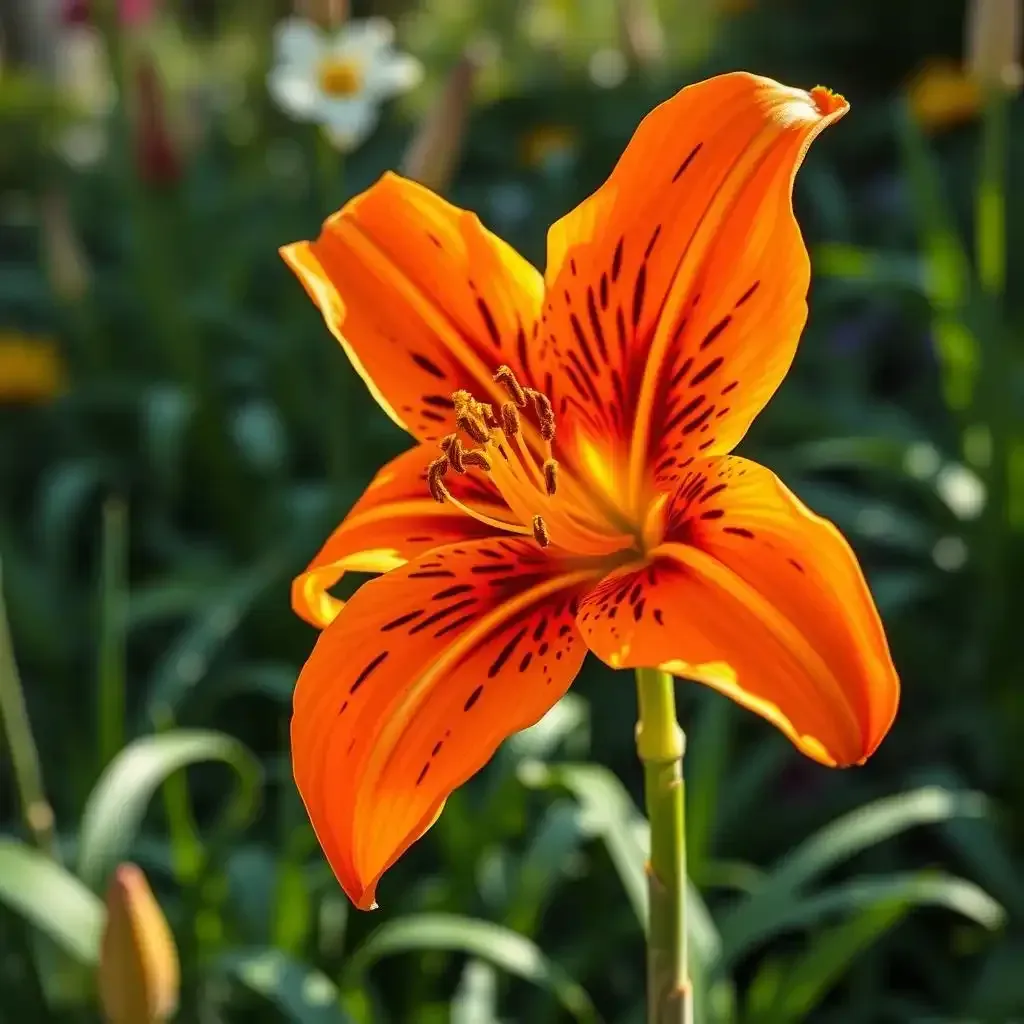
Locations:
(572, 487)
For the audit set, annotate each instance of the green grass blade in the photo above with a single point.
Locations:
(741, 932)
(117, 806)
(302, 994)
(808, 981)
(111, 668)
(507, 950)
(865, 827)
(52, 899)
(476, 1000)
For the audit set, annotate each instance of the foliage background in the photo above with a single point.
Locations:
(206, 435)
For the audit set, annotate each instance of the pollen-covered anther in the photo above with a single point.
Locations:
(452, 447)
(475, 457)
(551, 476)
(472, 416)
(509, 420)
(504, 376)
(545, 414)
(435, 482)
(540, 532)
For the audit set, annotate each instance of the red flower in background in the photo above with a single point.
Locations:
(133, 12)
(156, 152)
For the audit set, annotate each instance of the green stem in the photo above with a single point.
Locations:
(110, 667)
(990, 199)
(660, 743)
(28, 774)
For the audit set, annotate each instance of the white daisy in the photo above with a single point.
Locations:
(339, 79)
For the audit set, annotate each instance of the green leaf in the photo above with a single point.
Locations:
(187, 661)
(808, 981)
(117, 806)
(476, 999)
(867, 826)
(303, 994)
(742, 931)
(607, 812)
(564, 725)
(52, 899)
(507, 950)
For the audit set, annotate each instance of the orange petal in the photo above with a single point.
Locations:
(412, 687)
(758, 597)
(424, 300)
(684, 276)
(395, 520)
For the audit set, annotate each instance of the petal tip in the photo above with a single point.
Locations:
(829, 103)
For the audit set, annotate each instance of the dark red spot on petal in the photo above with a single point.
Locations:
(365, 674)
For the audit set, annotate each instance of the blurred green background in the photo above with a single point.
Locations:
(179, 433)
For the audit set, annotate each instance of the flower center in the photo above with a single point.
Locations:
(339, 76)
(547, 504)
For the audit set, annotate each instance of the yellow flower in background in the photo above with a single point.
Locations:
(31, 368)
(943, 94)
(139, 972)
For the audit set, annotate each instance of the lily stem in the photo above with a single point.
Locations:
(660, 743)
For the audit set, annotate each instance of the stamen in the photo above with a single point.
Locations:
(471, 416)
(507, 378)
(540, 532)
(545, 414)
(475, 457)
(551, 476)
(509, 420)
(452, 447)
(435, 471)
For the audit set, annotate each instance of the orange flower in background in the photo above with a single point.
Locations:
(572, 487)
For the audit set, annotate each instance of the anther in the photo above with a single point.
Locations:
(509, 420)
(475, 457)
(551, 476)
(507, 378)
(472, 426)
(435, 484)
(456, 453)
(545, 414)
(540, 532)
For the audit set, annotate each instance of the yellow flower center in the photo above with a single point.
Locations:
(339, 76)
(514, 447)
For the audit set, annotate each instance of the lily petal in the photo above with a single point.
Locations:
(424, 300)
(757, 596)
(684, 273)
(396, 519)
(414, 685)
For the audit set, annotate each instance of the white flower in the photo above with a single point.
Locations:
(339, 80)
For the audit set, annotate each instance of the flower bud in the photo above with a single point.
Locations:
(138, 973)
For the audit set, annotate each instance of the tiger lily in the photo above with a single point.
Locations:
(572, 486)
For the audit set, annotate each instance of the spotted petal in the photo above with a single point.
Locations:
(396, 519)
(413, 686)
(758, 597)
(424, 300)
(676, 293)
